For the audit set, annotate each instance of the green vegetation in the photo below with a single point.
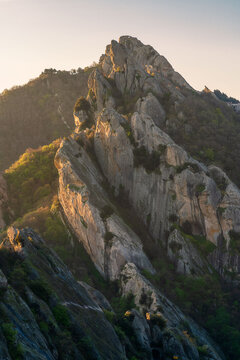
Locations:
(32, 115)
(110, 315)
(208, 130)
(82, 104)
(207, 299)
(146, 299)
(205, 246)
(14, 347)
(125, 103)
(200, 188)
(122, 304)
(61, 315)
(122, 322)
(221, 210)
(150, 161)
(87, 348)
(173, 218)
(41, 288)
(108, 236)
(159, 320)
(193, 167)
(128, 130)
(234, 241)
(224, 97)
(106, 212)
(32, 178)
(175, 247)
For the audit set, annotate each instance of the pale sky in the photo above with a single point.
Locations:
(201, 39)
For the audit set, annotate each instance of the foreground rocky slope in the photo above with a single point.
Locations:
(45, 312)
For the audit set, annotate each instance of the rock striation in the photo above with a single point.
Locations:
(4, 208)
(190, 209)
(125, 154)
(45, 313)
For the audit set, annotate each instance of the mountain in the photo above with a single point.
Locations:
(224, 97)
(45, 312)
(150, 232)
(38, 112)
(173, 194)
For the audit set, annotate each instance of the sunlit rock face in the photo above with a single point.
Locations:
(166, 187)
(173, 337)
(25, 308)
(107, 239)
(125, 156)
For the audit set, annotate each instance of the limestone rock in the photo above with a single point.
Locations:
(142, 330)
(149, 299)
(150, 106)
(3, 200)
(97, 297)
(184, 255)
(80, 117)
(109, 242)
(100, 94)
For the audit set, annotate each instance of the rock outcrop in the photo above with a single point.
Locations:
(179, 334)
(109, 241)
(163, 183)
(45, 313)
(190, 209)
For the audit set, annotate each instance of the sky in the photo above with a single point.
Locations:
(201, 39)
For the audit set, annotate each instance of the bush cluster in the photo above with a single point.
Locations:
(82, 104)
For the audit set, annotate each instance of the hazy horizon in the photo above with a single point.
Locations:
(199, 39)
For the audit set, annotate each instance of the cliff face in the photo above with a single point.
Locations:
(125, 186)
(119, 153)
(45, 312)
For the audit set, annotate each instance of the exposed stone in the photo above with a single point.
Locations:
(174, 336)
(142, 330)
(32, 315)
(80, 117)
(184, 255)
(150, 106)
(101, 89)
(97, 296)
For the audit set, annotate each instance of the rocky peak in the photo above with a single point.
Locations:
(126, 157)
(138, 67)
(166, 187)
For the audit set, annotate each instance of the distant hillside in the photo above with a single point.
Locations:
(208, 128)
(224, 97)
(38, 112)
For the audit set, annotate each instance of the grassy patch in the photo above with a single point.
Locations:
(234, 241)
(14, 347)
(32, 179)
(150, 161)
